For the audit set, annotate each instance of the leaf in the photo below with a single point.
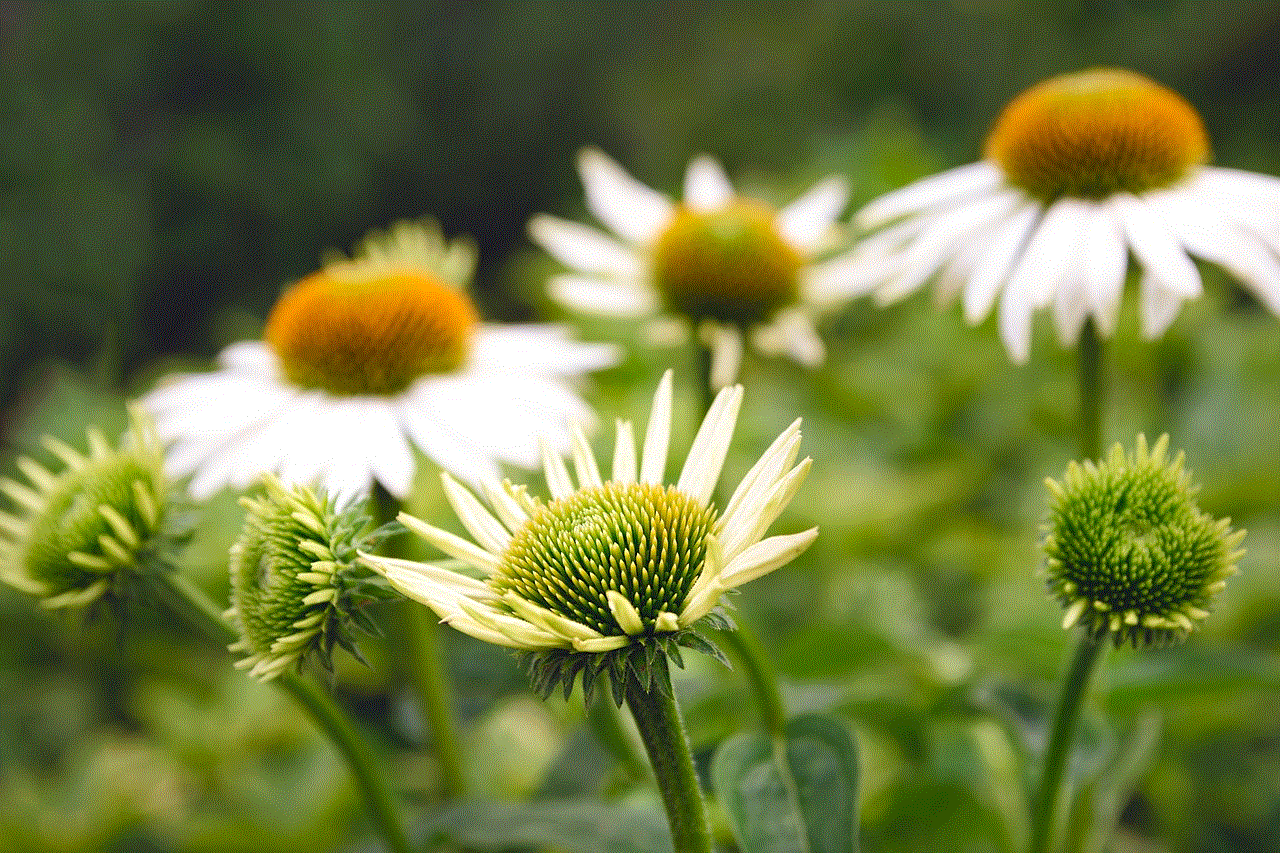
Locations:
(797, 794)
(1096, 810)
(571, 826)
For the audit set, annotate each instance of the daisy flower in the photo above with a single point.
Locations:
(625, 565)
(367, 359)
(730, 265)
(1079, 172)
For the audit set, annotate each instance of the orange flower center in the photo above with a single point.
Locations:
(730, 264)
(1095, 133)
(370, 335)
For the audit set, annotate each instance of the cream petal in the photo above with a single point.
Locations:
(453, 545)
(624, 453)
(766, 556)
(710, 446)
(583, 248)
(630, 209)
(706, 187)
(558, 481)
(761, 510)
(506, 507)
(807, 222)
(657, 435)
(776, 459)
(936, 190)
(488, 532)
(584, 462)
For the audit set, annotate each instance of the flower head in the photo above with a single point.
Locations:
(366, 359)
(727, 264)
(296, 586)
(608, 572)
(83, 532)
(1130, 555)
(1079, 171)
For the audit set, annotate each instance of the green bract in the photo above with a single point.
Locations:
(295, 583)
(84, 531)
(1130, 555)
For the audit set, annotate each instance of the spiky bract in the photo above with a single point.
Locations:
(1130, 554)
(296, 588)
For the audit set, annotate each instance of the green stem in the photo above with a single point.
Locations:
(1092, 391)
(426, 671)
(1061, 737)
(662, 731)
(762, 677)
(189, 601)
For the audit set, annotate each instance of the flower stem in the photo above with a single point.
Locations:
(760, 673)
(1061, 737)
(190, 602)
(426, 670)
(662, 731)
(1092, 391)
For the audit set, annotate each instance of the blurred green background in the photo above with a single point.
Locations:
(166, 167)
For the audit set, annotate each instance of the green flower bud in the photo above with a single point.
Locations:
(1130, 555)
(79, 534)
(296, 587)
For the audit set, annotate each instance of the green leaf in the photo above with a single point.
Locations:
(1095, 812)
(797, 794)
(571, 826)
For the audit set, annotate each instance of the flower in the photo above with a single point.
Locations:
(366, 359)
(1079, 171)
(619, 567)
(295, 583)
(728, 264)
(1130, 555)
(84, 532)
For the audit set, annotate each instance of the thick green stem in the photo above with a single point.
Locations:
(753, 661)
(424, 661)
(662, 731)
(1092, 391)
(190, 602)
(1061, 737)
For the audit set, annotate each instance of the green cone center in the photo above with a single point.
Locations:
(645, 541)
(729, 264)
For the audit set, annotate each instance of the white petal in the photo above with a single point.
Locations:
(1157, 250)
(537, 348)
(583, 248)
(1158, 306)
(1043, 267)
(1248, 197)
(807, 222)
(941, 237)
(725, 343)
(862, 269)
(1014, 321)
(1226, 244)
(706, 187)
(711, 444)
(430, 417)
(606, 297)
(765, 556)
(937, 189)
(379, 429)
(1103, 264)
(1070, 307)
(624, 454)
(1004, 248)
(478, 521)
(630, 209)
(253, 357)
(657, 435)
(791, 333)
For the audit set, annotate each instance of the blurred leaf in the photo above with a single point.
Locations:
(571, 826)
(795, 794)
(1099, 802)
(1194, 669)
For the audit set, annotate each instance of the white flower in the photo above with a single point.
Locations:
(726, 263)
(1080, 171)
(367, 359)
(610, 562)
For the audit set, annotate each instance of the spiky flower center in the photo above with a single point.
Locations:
(370, 335)
(644, 541)
(1095, 133)
(729, 264)
(1129, 551)
(72, 542)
